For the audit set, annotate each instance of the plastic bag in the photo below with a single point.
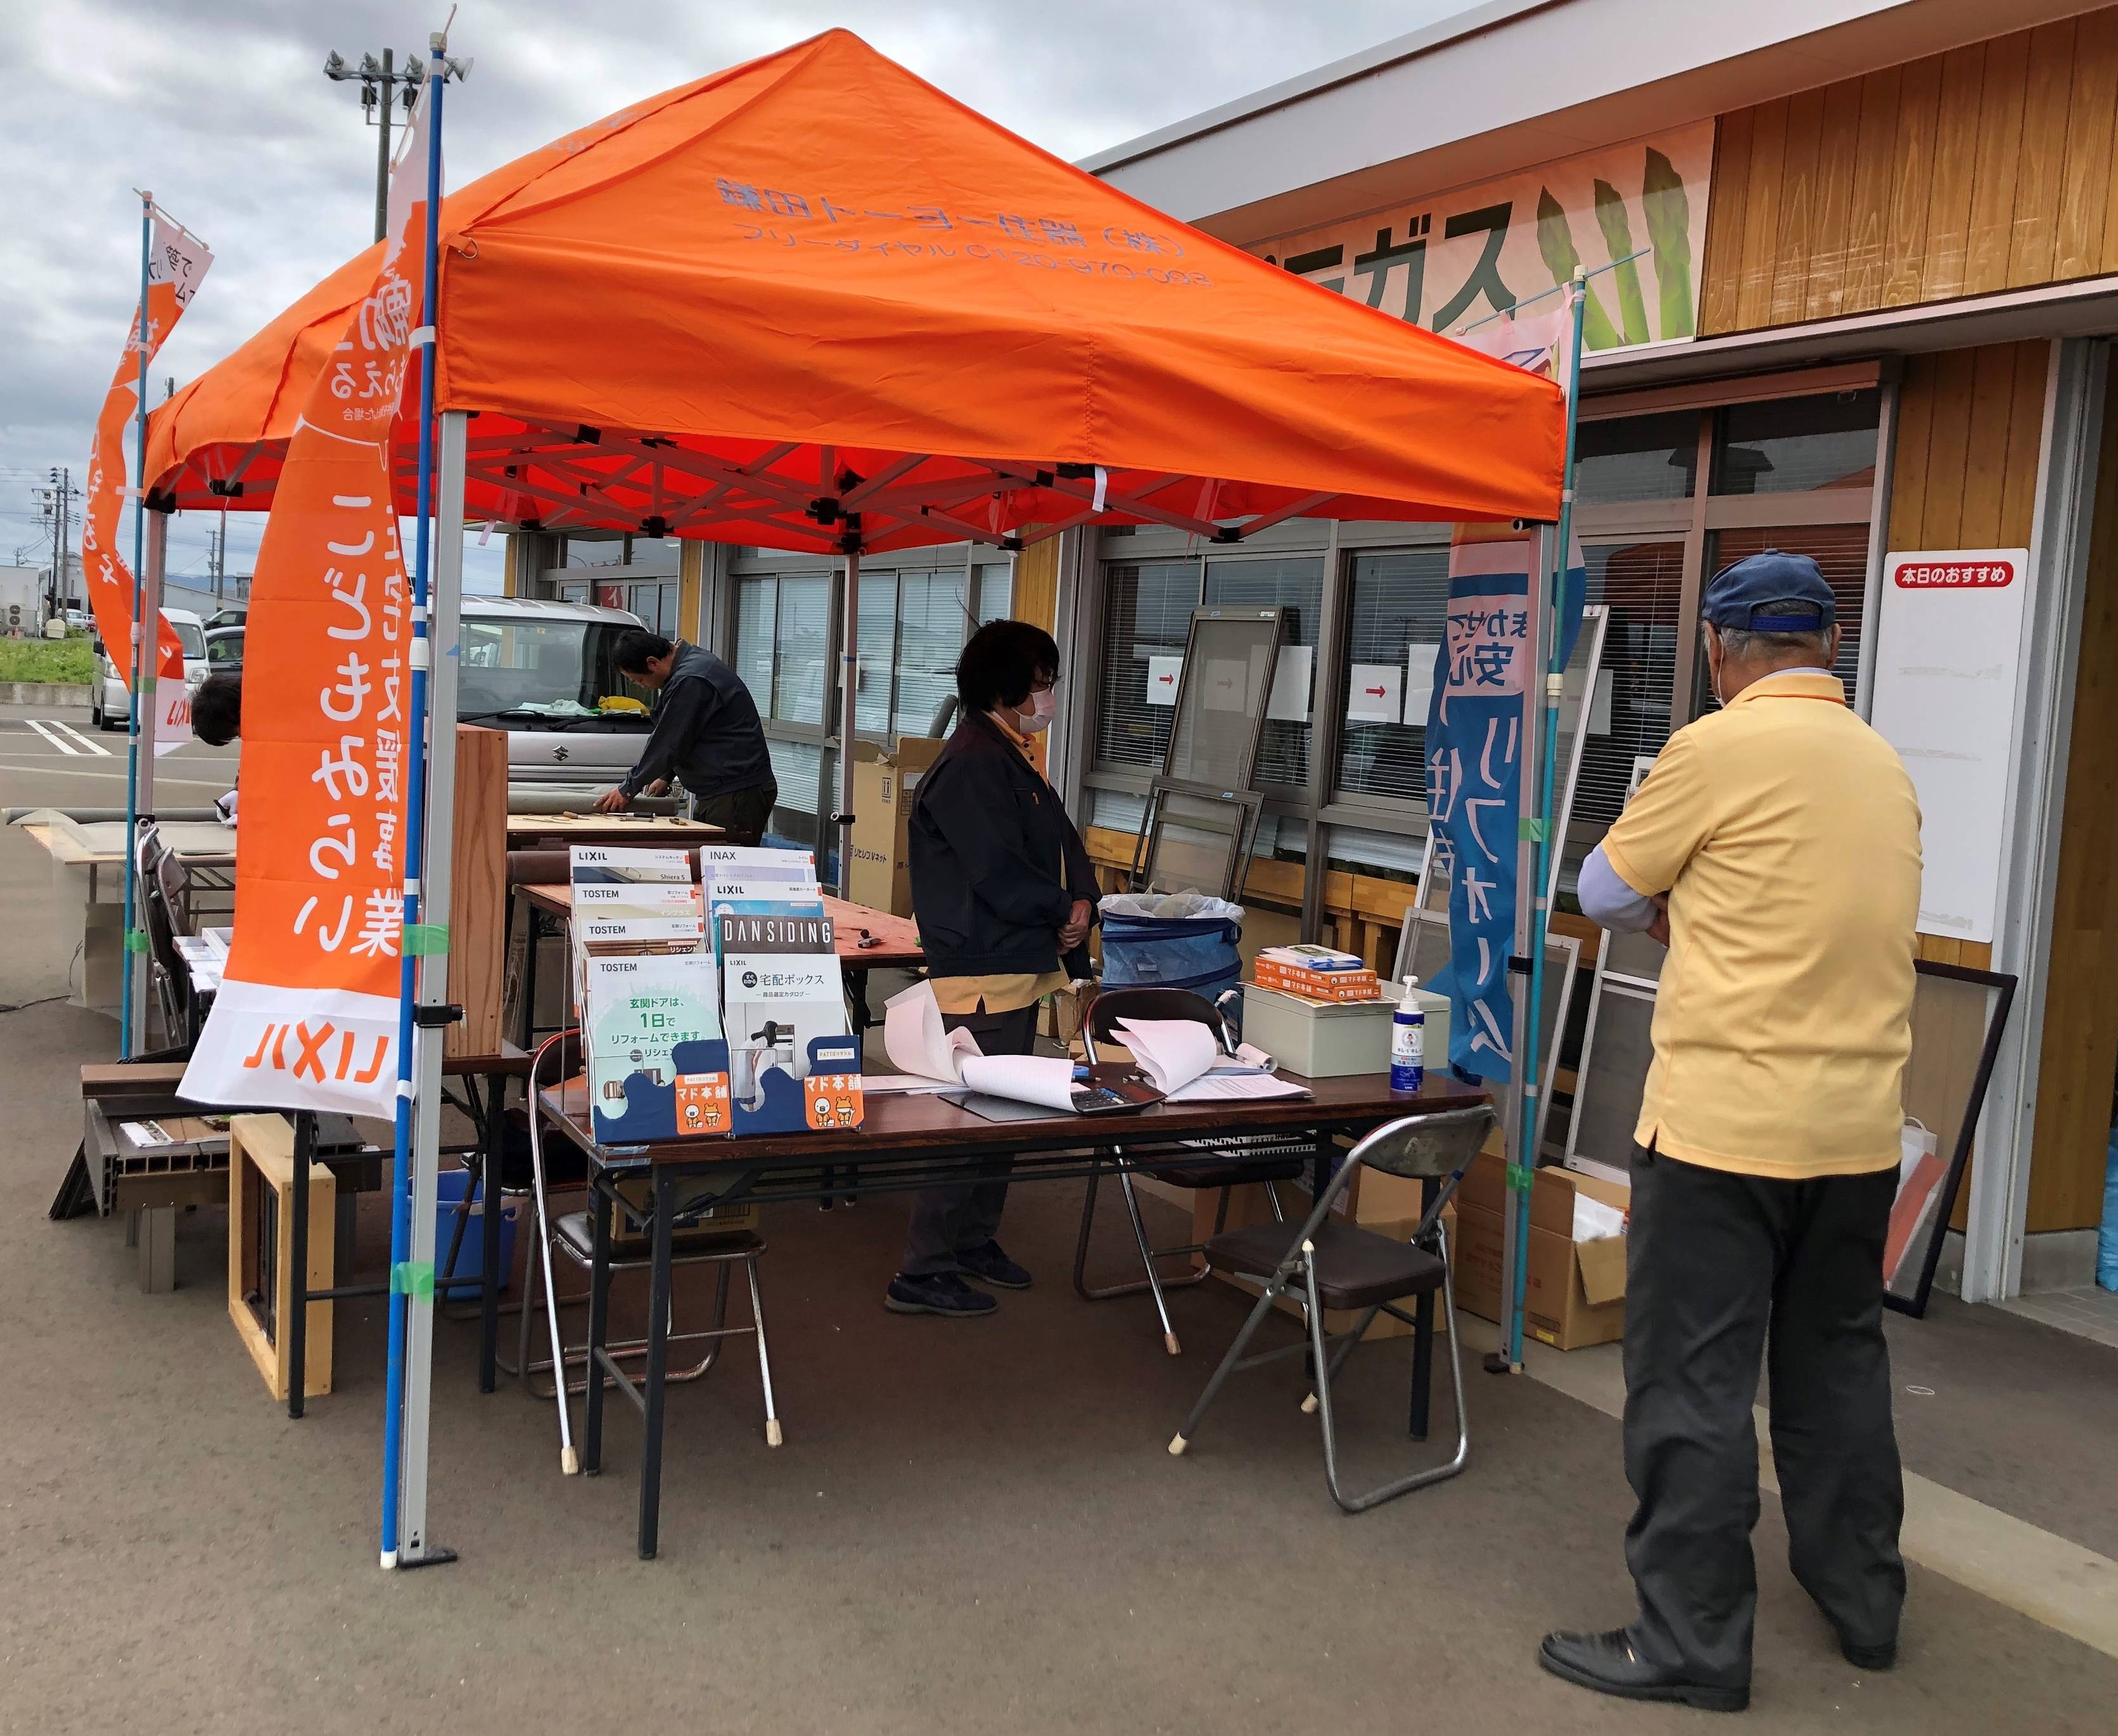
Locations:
(1170, 906)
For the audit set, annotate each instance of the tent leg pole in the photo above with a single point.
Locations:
(849, 697)
(142, 773)
(444, 616)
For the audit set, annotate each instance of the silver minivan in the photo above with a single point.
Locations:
(547, 672)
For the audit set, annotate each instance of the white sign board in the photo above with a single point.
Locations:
(1162, 675)
(1948, 655)
(1374, 693)
(1418, 682)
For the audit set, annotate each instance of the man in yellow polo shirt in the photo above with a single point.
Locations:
(1775, 847)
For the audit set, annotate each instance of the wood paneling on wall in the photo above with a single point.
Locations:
(1989, 168)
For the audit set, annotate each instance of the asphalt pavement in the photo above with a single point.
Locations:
(51, 756)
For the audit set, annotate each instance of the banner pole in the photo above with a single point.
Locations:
(403, 1274)
(135, 930)
(1547, 724)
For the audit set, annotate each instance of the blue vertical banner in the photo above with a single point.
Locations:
(1474, 761)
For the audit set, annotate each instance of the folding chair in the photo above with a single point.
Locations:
(572, 1234)
(1223, 1164)
(1334, 1265)
(165, 891)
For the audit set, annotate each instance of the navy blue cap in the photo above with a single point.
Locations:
(1770, 593)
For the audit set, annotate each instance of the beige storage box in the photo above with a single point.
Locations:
(1322, 1041)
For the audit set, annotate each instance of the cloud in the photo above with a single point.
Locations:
(220, 109)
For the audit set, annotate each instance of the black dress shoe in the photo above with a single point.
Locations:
(1610, 1663)
(988, 1265)
(935, 1293)
(1870, 1658)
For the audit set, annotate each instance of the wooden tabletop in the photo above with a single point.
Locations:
(898, 937)
(900, 1123)
(623, 831)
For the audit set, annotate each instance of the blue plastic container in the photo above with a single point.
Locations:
(2107, 1241)
(449, 1188)
(1198, 953)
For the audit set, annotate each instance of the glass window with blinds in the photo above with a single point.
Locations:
(1295, 584)
(1641, 583)
(782, 627)
(1397, 605)
(1841, 554)
(1147, 615)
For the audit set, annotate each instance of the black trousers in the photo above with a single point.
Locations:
(947, 1221)
(1723, 1270)
(741, 814)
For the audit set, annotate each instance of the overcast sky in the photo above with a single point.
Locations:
(220, 109)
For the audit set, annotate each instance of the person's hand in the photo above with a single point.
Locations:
(1658, 929)
(1075, 928)
(612, 802)
(659, 787)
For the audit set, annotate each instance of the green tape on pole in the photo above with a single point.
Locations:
(412, 1278)
(1532, 829)
(1518, 1176)
(135, 940)
(425, 939)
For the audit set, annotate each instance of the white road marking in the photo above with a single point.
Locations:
(53, 737)
(72, 734)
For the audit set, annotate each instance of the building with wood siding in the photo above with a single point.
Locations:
(1888, 333)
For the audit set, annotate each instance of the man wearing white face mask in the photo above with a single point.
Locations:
(1005, 894)
(1775, 848)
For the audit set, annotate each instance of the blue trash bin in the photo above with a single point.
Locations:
(449, 1188)
(1197, 952)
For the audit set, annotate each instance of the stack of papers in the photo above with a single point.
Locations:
(939, 1059)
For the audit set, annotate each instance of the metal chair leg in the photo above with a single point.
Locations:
(1433, 1473)
(1089, 1293)
(773, 1436)
(1147, 1261)
(1182, 1438)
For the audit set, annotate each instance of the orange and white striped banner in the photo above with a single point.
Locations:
(176, 264)
(307, 1014)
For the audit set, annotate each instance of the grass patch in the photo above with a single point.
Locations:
(47, 660)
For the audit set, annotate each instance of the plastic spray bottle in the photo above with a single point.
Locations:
(1409, 1041)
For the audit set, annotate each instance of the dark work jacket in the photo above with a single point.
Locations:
(995, 864)
(705, 730)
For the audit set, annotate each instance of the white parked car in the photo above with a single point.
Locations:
(109, 707)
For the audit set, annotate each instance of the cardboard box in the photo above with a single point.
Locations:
(1576, 1290)
(885, 782)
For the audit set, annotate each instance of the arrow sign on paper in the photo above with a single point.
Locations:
(1162, 674)
(1373, 692)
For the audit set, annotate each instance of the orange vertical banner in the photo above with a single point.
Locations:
(307, 1014)
(176, 264)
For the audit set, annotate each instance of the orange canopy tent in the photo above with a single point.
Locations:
(813, 303)
(813, 286)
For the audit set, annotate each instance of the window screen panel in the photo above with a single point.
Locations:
(802, 639)
(1613, 1075)
(1841, 554)
(794, 768)
(1642, 585)
(1789, 446)
(1397, 608)
(756, 602)
(1194, 843)
(1222, 699)
(1147, 614)
(1298, 587)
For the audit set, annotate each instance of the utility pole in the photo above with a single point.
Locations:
(379, 84)
(59, 498)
